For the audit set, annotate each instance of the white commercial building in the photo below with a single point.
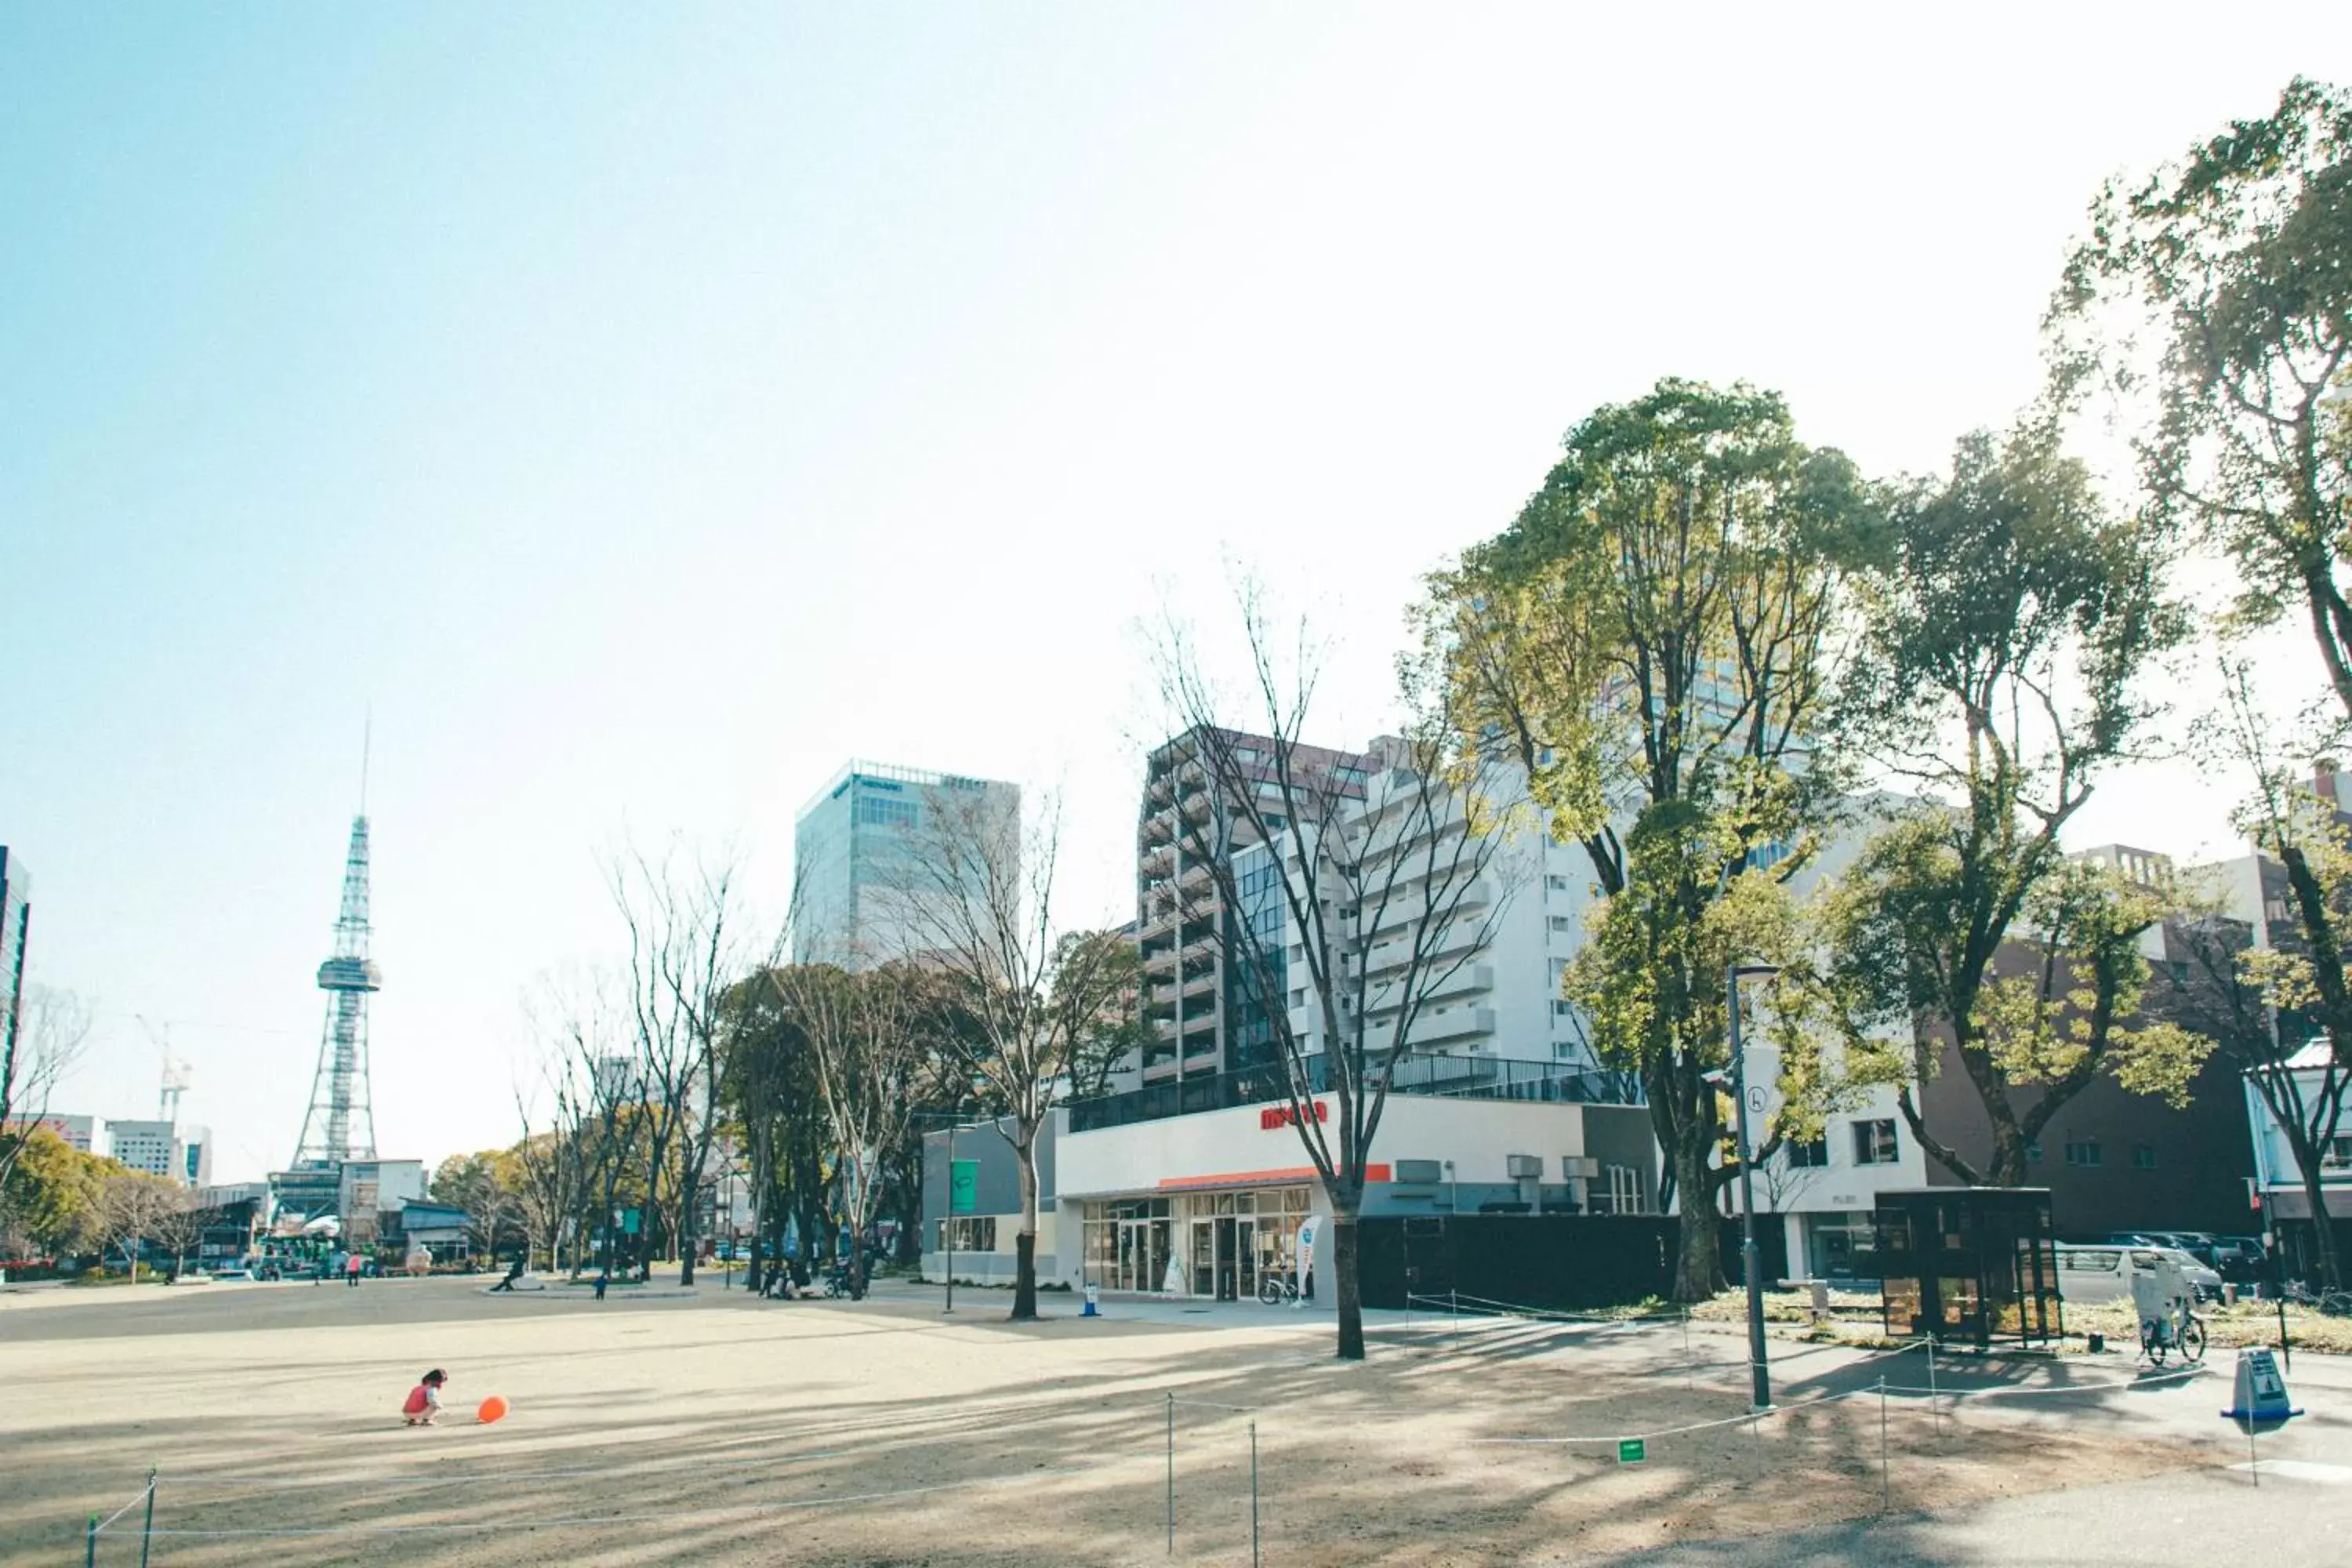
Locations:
(86, 1133)
(180, 1151)
(1204, 1203)
(370, 1187)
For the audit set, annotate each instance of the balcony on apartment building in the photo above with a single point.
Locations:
(1460, 1077)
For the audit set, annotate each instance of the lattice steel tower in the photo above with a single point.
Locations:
(341, 1125)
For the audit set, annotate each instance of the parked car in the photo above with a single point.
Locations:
(2240, 1258)
(2103, 1271)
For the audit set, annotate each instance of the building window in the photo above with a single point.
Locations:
(1811, 1155)
(1874, 1143)
(1563, 1009)
(973, 1233)
(2337, 1155)
(2033, 1152)
(2082, 1152)
(869, 811)
(1555, 884)
(1559, 924)
(2143, 1156)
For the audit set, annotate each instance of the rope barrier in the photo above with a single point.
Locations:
(126, 1508)
(1677, 1431)
(1958, 1393)
(1953, 1394)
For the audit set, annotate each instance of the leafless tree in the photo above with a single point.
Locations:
(41, 1038)
(685, 950)
(868, 1038)
(1381, 880)
(178, 1225)
(549, 1178)
(975, 897)
(597, 1087)
(133, 1208)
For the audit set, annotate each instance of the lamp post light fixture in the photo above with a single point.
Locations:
(955, 1122)
(1760, 1374)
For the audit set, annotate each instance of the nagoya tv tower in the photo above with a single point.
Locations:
(341, 1125)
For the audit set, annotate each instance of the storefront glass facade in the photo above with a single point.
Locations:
(1221, 1244)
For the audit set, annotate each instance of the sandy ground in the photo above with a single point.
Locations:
(872, 1433)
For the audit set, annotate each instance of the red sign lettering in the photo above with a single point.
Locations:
(1274, 1116)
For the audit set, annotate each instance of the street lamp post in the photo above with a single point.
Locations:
(727, 1187)
(947, 1225)
(1751, 1264)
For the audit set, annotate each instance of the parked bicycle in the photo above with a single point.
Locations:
(2334, 1303)
(2180, 1330)
(1277, 1290)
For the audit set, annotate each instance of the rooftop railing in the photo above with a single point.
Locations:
(1457, 1077)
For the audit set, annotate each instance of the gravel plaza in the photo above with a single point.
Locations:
(648, 1427)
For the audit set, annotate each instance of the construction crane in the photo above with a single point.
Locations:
(175, 1072)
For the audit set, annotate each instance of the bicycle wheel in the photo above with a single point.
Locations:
(2192, 1340)
(1269, 1291)
(2151, 1341)
(2336, 1304)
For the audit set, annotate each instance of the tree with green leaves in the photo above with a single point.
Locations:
(488, 1186)
(1652, 643)
(50, 1198)
(2007, 634)
(2214, 298)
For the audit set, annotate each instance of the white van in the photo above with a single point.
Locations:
(2103, 1273)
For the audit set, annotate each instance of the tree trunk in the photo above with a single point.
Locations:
(1698, 1241)
(1345, 1285)
(2323, 1228)
(2007, 1166)
(1024, 1246)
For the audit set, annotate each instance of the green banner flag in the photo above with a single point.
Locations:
(963, 1186)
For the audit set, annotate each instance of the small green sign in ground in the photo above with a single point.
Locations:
(1632, 1451)
(963, 1186)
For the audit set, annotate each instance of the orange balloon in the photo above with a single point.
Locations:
(492, 1408)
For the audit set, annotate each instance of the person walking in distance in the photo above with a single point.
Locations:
(351, 1270)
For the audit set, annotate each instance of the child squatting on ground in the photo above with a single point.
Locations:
(423, 1402)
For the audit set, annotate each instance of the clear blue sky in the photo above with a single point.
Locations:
(643, 409)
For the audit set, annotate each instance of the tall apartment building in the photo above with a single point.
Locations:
(858, 897)
(1192, 999)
